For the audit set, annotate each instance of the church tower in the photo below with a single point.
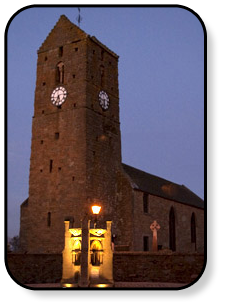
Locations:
(76, 143)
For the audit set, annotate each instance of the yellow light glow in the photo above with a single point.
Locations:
(76, 232)
(102, 285)
(97, 232)
(96, 209)
(67, 285)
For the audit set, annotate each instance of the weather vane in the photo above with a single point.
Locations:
(79, 18)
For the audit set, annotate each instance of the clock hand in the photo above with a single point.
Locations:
(58, 98)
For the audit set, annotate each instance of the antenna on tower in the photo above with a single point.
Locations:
(79, 18)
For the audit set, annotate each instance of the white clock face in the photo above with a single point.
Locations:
(104, 100)
(58, 96)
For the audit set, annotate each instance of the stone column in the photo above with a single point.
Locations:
(108, 255)
(84, 278)
(154, 228)
(68, 270)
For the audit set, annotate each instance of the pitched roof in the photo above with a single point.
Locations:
(66, 32)
(162, 188)
(63, 32)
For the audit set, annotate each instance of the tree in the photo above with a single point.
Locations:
(15, 244)
(8, 248)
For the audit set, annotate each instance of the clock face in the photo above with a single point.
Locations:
(104, 100)
(58, 96)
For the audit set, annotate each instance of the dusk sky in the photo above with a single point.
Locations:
(161, 90)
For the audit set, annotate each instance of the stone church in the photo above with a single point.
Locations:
(76, 158)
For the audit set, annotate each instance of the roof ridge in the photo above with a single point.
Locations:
(161, 187)
(191, 192)
(156, 176)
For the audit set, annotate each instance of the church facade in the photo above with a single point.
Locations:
(76, 158)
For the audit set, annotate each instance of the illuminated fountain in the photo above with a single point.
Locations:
(87, 255)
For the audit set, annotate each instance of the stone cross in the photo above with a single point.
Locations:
(154, 228)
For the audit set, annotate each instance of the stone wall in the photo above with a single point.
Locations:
(157, 267)
(35, 268)
(127, 266)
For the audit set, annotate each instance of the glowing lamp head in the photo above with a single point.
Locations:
(96, 209)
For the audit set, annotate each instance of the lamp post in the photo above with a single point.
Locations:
(84, 279)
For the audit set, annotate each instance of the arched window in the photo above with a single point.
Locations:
(60, 73)
(96, 253)
(172, 231)
(193, 230)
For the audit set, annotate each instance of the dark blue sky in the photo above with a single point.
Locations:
(161, 89)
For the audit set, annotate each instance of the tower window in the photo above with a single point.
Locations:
(145, 203)
(60, 52)
(102, 76)
(146, 243)
(102, 55)
(57, 135)
(76, 49)
(49, 219)
(46, 58)
(50, 165)
(41, 141)
(60, 73)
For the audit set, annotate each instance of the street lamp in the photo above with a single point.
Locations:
(96, 210)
